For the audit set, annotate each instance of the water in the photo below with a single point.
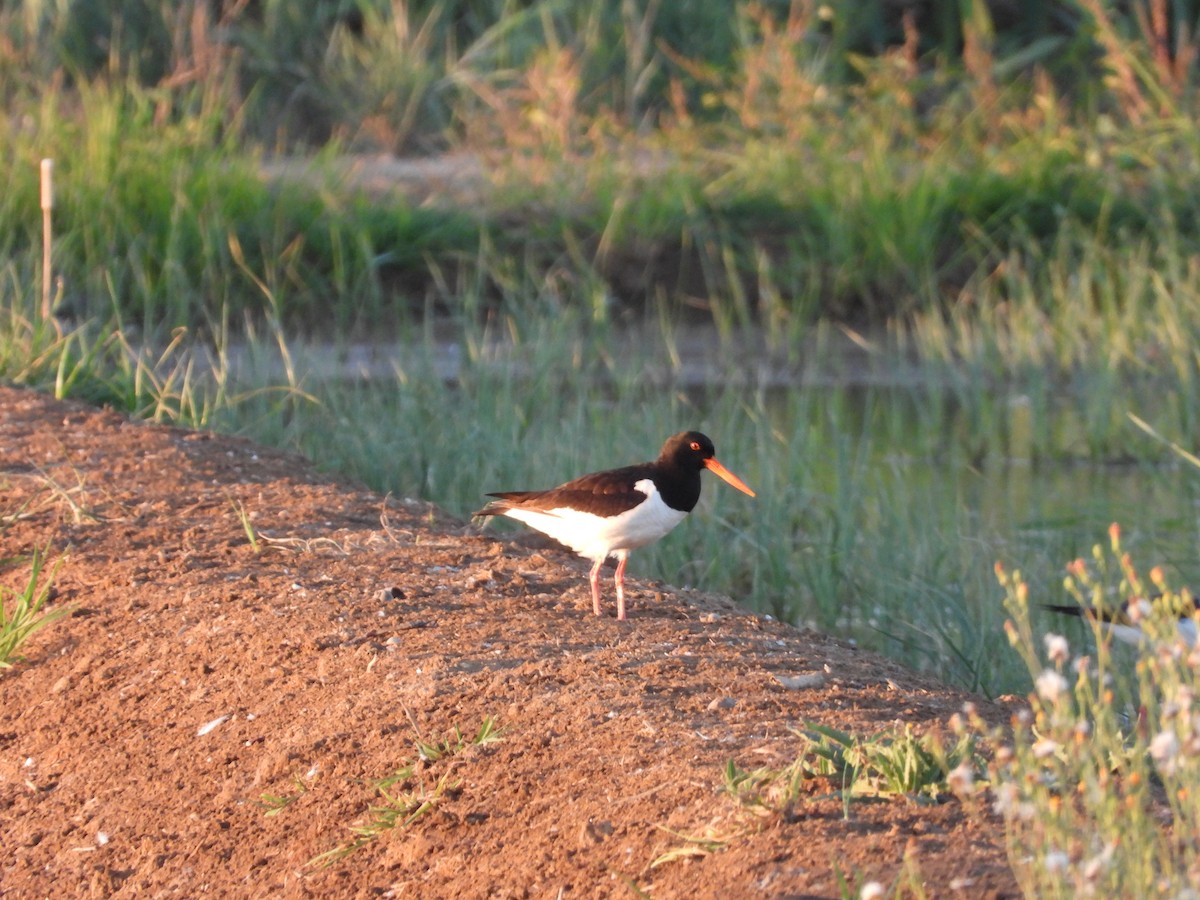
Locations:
(900, 501)
(937, 529)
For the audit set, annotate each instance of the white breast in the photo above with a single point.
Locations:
(596, 537)
(1132, 634)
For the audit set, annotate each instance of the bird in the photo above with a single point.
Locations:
(1124, 621)
(612, 512)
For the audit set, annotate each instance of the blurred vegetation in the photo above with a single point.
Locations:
(306, 73)
(728, 159)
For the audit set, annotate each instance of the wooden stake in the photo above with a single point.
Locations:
(47, 233)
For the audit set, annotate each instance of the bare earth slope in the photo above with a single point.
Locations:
(141, 739)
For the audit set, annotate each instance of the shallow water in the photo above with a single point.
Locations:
(900, 519)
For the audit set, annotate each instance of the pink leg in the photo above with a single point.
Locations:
(621, 587)
(595, 579)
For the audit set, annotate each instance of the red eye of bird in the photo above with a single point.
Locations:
(695, 445)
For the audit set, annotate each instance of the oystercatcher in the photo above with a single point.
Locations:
(1124, 621)
(610, 513)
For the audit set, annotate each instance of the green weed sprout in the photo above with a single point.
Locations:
(26, 613)
(406, 795)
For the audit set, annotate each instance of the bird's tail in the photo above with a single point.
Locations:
(498, 507)
(1066, 609)
(1109, 616)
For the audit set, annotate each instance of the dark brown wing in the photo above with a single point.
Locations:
(1114, 615)
(601, 493)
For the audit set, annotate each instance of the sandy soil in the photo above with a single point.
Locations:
(141, 739)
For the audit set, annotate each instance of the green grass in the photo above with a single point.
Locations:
(407, 795)
(23, 612)
(770, 180)
(887, 765)
(274, 804)
(891, 765)
(432, 751)
(399, 811)
(402, 76)
(246, 520)
(174, 227)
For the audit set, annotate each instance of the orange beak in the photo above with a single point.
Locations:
(725, 475)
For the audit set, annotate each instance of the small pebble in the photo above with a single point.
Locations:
(801, 682)
(209, 726)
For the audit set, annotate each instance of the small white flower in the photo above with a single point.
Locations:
(1184, 698)
(1057, 648)
(962, 779)
(1006, 799)
(1051, 685)
(1045, 747)
(1165, 750)
(1094, 867)
(1138, 610)
(872, 890)
(1056, 862)
(1165, 745)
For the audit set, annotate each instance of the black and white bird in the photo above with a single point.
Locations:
(1124, 621)
(612, 512)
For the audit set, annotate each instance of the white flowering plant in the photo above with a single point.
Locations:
(1097, 778)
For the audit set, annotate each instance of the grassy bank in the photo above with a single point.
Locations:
(758, 167)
